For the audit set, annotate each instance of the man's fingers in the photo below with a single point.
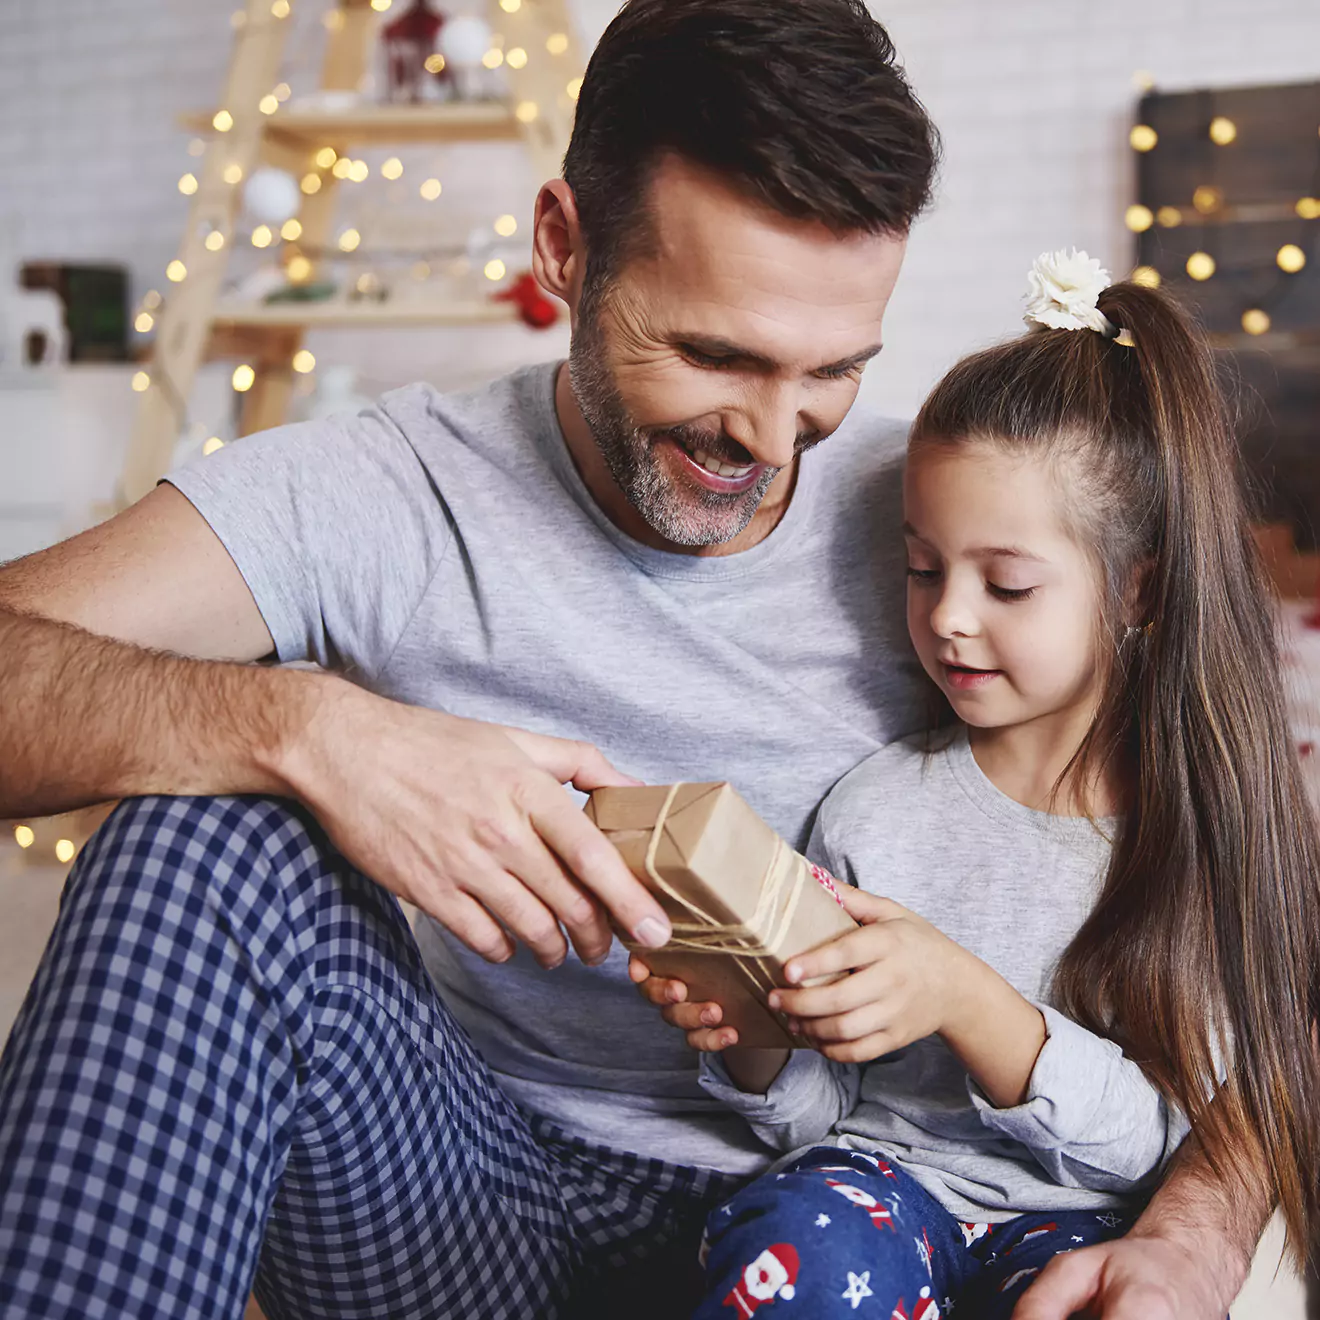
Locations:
(471, 923)
(578, 763)
(581, 916)
(595, 862)
(526, 918)
(1067, 1286)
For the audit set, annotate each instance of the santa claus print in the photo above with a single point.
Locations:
(973, 1232)
(925, 1309)
(1043, 1231)
(879, 1213)
(773, 1274)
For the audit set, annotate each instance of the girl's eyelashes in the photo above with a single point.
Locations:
(929, 576)
(1010, 593)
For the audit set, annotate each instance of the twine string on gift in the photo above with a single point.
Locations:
(753, 941)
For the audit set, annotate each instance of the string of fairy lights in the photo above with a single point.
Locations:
(1210, 207)
(285, 240)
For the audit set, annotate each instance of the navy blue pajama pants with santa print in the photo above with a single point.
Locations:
(841, 1233)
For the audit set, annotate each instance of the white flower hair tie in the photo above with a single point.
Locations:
(1063, 289)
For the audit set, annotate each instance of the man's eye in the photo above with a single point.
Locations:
(841, 373)
(701, 359)
(1010, 593)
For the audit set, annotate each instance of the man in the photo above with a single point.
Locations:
(232, 1049)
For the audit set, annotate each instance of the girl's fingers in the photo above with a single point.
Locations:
(693, 1017)
(838, 997)
(854, 1025)
(858, 948)
(874, 1046)
(659, 991)
(861, 906)
(710, 1041)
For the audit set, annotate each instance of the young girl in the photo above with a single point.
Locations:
(1110, 835)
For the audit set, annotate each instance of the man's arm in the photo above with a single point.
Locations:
(122, 671)
(1186, 1258)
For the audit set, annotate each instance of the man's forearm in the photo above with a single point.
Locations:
(85, 719)
(1219, 1217)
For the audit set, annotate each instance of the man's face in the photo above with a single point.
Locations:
(735, 343)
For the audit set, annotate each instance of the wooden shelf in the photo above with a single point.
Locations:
(336, 312)
(383, 125)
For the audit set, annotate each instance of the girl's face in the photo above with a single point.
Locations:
(1002, 603)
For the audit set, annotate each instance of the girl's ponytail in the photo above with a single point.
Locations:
(1202, 954)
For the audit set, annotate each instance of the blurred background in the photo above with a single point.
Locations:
(213, 218)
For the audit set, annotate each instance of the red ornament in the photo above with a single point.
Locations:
(533, 306)
(409, 42)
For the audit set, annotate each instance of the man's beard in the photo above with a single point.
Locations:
(686, 515)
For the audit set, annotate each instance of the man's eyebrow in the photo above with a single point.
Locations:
(985, 551)
(717, 347)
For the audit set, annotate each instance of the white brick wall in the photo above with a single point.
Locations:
(1033, 97)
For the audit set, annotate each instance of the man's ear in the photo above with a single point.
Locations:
(558, 254)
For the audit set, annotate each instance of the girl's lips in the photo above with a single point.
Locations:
(712, 480)
(969, 680)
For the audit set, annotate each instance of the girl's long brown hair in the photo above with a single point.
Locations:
(1200, 957)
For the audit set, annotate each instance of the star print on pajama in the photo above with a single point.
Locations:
(840, 1232)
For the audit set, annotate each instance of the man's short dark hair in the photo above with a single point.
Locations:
(800, 104)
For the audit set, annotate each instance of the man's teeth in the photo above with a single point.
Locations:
(714, 465)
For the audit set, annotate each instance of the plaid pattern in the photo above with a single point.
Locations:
(233, 1064)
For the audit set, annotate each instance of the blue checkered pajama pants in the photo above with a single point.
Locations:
(838, 1230)
(232, 1067)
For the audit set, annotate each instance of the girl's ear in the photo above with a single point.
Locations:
(1138, 599)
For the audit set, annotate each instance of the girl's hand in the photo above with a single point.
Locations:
(907, 982)
(700, 1022)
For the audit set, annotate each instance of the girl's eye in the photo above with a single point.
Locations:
(925, 576)
(1010, 593)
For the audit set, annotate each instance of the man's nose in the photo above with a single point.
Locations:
(768, 425)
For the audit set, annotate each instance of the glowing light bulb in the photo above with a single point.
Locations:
(299, 269)
(1222, 130)
(176, 272)
(392, 168)
(380, 6)
(1308, 208)
(233, 173)
(1200, 265)
(1291, 258)
(434, 63)
(212, 444)
(197, 147)
(349, 240)
(557, 43)
(310, 184)
(1207, 200)
(494, 269)
(214, 241)
(1138, 218)
(1147, 276)
(326, 157)
(1143, 80)
(359, 171)
(1169, 216)
(151, 300)
(511, 6)
(291, 230)
(303, 362)
(430, 189)
(269, 104)
(23, 836)
(574, 89)
(527, 111)
(188, 185)
(141, 382)
(1255, 321)
(280, 8)
(506, 226)
(65, 849)
(262, 236)
(143, 322)
(1143, 137)
(493, 58)
(243, 378)
(222, 121)
(333, 20)
(283, 91)
(516, 58)
(342, 168)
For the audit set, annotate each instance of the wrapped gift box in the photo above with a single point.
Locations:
(741, 901)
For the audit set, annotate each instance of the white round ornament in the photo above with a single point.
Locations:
(465, 40)
(271, 196)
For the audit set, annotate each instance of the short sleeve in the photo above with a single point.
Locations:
(336, 527)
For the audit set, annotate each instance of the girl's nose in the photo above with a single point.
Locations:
(951, 617)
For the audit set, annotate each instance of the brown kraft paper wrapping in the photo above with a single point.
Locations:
(741, 901)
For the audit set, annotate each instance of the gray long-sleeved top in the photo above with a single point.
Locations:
(1012, 886)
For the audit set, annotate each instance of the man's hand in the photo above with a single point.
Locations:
(470, 822)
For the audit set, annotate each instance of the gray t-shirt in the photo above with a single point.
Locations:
(1012, 886)
(443, 550)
